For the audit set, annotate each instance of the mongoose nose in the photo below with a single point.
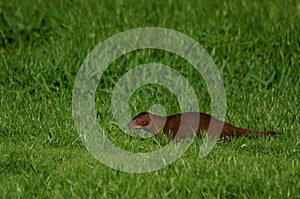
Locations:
(131, 124)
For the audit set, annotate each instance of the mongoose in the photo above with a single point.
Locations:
(191, 122)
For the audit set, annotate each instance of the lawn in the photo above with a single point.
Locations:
(255, 46)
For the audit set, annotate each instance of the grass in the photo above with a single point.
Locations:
(255, 45)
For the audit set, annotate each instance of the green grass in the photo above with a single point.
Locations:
(255, 44)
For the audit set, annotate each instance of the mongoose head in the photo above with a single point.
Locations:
(141, 121)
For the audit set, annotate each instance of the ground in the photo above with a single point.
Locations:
(255, 45)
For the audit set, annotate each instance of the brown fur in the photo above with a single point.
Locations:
(186, 124)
